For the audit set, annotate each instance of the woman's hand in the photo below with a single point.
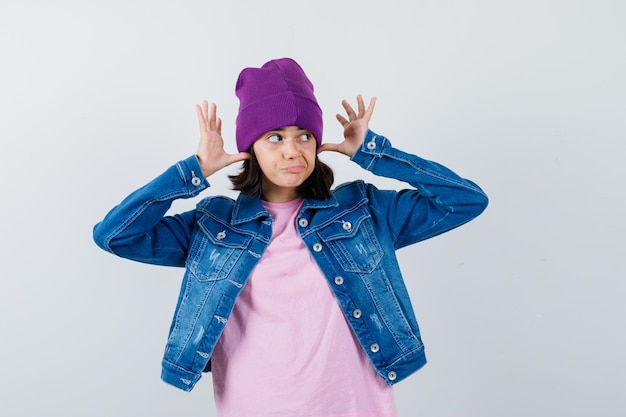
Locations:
(354, 127)
(210, 152)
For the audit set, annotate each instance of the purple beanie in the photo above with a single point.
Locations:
(276, 95)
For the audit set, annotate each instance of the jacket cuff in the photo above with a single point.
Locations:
(191, 173)
(178, 377)
(372, 148)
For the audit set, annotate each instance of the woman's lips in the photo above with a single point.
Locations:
(294, 168)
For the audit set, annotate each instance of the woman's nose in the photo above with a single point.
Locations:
(290, 148)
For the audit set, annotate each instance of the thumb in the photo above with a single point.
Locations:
(232, 158)
(329, 147)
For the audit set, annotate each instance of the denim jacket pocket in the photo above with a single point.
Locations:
(215, 250)
(352, 241)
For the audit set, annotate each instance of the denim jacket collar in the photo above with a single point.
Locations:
(249, 208)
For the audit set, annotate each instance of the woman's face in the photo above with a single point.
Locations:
(287, 158)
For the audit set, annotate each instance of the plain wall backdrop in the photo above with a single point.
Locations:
(522, 310)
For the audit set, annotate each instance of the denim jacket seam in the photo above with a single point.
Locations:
(426, 171)
(232, 226)
(384, 318)
(434, 225)
(371, 154)
(316, 227)
(405, 354)
(137, 213)
(386, 150)
(189, 189)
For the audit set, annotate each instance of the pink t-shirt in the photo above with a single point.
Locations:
(287, 350)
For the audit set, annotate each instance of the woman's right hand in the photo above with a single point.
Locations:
(210, 152)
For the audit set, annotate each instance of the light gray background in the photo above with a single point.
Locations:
(522, 310)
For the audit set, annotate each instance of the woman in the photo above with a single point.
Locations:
(292, 294)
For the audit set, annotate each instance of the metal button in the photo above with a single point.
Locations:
(356, 314)
(317, 247)
(303, 222)
(347, 226)
(392, 376)
(196, 181)
(374, 347)
(339, 280)
(221, 235)
(371, 145)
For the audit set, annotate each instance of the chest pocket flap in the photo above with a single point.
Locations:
(352, 240)
(215, 249)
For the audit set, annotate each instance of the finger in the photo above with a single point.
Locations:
(218, 126)
(243, 155)
(342, 119)
(361, 105)
(329, 147)
(232, 158)
(212, 117)
(370, 108)
(201, 118)
(349, 109)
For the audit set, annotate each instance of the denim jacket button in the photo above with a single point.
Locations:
(303, 222)
(347, 226)
(356, 314)
(317, 247)
(374, 347)
(339, 280)
(371, 145)
(392, 376)
(221, 235)
(195, 180)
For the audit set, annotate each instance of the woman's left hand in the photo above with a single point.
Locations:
(355, 127)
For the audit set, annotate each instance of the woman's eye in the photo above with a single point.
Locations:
(305, 137)
(274, 138)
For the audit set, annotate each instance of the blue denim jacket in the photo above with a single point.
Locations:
(352, 236)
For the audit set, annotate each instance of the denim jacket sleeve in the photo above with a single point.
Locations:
(138, 227)
(440, 200)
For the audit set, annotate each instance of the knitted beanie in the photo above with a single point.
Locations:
(276, 95)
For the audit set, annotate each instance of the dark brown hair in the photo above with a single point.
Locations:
(316, 186)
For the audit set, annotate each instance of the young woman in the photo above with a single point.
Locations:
(292, 295)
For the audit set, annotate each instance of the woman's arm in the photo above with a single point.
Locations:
(440, 200)
(138, 229)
